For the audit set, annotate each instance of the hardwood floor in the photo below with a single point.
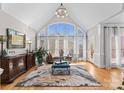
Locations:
(109, 78)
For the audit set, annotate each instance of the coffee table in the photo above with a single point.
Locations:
(61, 68)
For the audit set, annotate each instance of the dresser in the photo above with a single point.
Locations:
(15, 66)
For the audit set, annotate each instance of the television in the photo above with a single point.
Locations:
(15, 39)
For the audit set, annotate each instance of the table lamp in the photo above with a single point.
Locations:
(29, 42)
(2, 40)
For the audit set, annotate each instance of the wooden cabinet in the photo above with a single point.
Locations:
(30, 60)
(13, 67)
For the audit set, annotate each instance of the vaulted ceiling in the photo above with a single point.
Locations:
(84, 14)
(119, 18)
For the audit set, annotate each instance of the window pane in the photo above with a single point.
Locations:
(69, 30)
(61, 44)
(70, 44)
(62, 29)
(52, 30)
(113, 47)
(79, 33)
(80, 47)
(42, 33)
(42, 43)
(52, 46)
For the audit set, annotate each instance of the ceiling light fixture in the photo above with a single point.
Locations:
(61, 12)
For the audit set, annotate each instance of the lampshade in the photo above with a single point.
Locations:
(29, 41)
(3, 38)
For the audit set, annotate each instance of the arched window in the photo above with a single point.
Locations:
(68, 37)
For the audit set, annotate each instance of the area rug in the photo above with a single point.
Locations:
(42, 76)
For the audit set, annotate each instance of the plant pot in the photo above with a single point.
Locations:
(40, 65)
(39, 60)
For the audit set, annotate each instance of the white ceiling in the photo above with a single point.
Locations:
(119, 18)
(86, 15)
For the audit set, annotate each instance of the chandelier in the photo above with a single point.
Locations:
(61, 12)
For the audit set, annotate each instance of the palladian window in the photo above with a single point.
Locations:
(68, 37)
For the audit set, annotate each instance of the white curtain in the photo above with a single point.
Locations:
(118, 46)
(107, 39)
(108, 31)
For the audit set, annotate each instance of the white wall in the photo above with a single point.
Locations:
(7, 21)
(92, 34)
(94, 39)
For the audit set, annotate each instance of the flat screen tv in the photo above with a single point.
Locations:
(15, 39)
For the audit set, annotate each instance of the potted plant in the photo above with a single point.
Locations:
(40, 54)
(122, 86)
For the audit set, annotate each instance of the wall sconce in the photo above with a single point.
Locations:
(2, 40)
(29, 42)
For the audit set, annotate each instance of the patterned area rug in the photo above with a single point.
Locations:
(79, 76)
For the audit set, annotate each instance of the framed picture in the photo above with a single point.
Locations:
(15, 39)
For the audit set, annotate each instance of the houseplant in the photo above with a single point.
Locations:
(40, 54)
(122, 85)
